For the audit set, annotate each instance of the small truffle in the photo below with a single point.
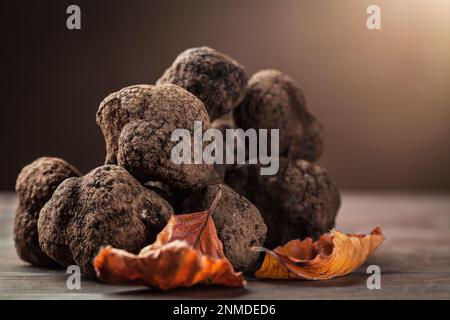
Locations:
(105, 207)
(300, 201)
(35, 186)
(239, 224)
(216, 79)
(275, 101)
(137, 123)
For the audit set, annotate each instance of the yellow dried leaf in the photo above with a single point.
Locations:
(334, 254)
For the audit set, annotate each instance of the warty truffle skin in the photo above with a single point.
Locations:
(137, 123)
(300, 201)
(216, 79)
(34, 186)
(275, 101)
(238, 222)
(105, 207)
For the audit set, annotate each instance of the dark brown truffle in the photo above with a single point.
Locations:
(137, 123)
(35, 186)
(238, 222)
(216, 79)
(105, 207)
(300, 201)
(275, 101)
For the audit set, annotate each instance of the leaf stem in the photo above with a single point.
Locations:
(210, 212)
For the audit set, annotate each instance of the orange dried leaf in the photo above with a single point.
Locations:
(188, 227)
(175, 264)
(186, 252)
(334, 254)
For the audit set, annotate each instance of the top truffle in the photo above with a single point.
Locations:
(216, 79)
(137, 123)
(275, 101)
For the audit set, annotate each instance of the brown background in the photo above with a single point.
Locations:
(383, 95)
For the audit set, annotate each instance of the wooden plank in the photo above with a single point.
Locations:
(414, 260)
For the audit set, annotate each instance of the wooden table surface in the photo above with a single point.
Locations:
(414, 259)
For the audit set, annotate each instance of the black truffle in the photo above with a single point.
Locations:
(216, 79)
(275, 101)
(35, 185)
(105, 207)
(137, 123)
(238, 222)
(300, 201)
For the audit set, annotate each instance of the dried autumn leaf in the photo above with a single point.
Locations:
(175, 264)
(197, 229)
(334, 254)
(186, 252)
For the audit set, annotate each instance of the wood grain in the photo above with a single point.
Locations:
(414, 259)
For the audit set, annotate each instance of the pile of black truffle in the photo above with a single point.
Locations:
(63, 218)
